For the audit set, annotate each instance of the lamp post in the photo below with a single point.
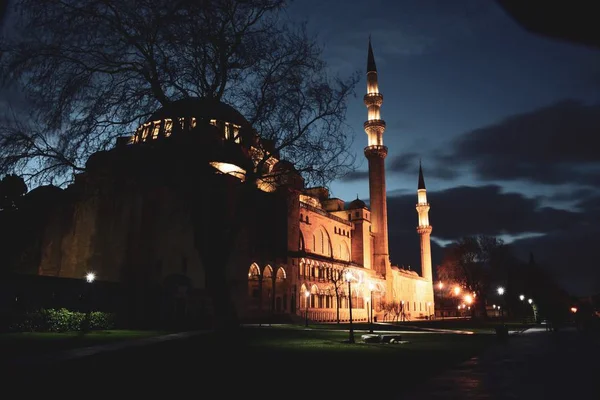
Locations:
(500, 291)
(306, 295)
(90, 277)
(371, 287)
(351, 333)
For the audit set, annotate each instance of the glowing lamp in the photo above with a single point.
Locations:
(90, 277)
(500, 290)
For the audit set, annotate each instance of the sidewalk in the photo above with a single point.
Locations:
(52, 357)
(534, 364)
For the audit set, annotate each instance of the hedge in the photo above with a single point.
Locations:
(63, 320)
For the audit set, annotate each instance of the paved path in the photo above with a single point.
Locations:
(71, 354)
(532, 365)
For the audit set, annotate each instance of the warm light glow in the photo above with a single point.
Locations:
(422, 196)
(428, 304)
(521, 297)
(230, 169)
(500, 290)
(456, 290)
(573, 309)
(459, 307)
(374, 113)
(530, 301)
(494, 306)
(474, 294)
(306, 294)
(348, 276)
(371, 287)
(441, 285)
(90, 277)
(468, 299)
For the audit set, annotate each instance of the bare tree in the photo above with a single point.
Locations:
(90, 71)
(338, 281)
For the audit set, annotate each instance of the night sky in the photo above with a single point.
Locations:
(502, 119)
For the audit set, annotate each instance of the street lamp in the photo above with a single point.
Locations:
(521, 297)
(90, 277)
(500, 291)
(351, 333)
(530, 301)
(306, 295)
(371, 287)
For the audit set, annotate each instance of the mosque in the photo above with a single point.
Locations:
(301, 254)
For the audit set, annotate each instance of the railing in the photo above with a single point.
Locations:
(330, 314)
(325, 213)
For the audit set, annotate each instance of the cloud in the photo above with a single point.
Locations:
(466, 210)
(355, 176)
(569, 255)
(551, 145)
(563, 241)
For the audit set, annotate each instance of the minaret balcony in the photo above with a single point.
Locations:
(373, 99)
(374, 123)
(376, 150)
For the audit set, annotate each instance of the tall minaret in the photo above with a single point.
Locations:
(424, 228)
(376, 153)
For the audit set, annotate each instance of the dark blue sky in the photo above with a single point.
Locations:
(503, 120)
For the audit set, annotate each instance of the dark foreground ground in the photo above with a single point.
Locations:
(297, 363)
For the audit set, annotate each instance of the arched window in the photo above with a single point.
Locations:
(254, 272)
(322, 243)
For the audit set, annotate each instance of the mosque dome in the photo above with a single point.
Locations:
(186, 114)
(200, 108)
(356, 204)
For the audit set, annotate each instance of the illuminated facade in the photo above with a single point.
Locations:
(294, 254)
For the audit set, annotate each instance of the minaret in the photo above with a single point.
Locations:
(376, 153)
(424, 229)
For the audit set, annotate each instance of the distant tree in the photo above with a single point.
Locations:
(338, 281)
(472, 263)
(93, 70)
(391, 310)
(12, 189)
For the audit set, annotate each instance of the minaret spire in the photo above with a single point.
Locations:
(424, 229)
(421, 179)
(371, 67)
(375, 152)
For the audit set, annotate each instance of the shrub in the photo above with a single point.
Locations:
(63, 320)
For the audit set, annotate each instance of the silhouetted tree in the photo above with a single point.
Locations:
(12, 189)
(472, 262)
(93, 70)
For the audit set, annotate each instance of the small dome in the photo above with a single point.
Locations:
(284, 166)
(356, 204)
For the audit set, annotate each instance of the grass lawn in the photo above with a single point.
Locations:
(289, 358)
(28, 343)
